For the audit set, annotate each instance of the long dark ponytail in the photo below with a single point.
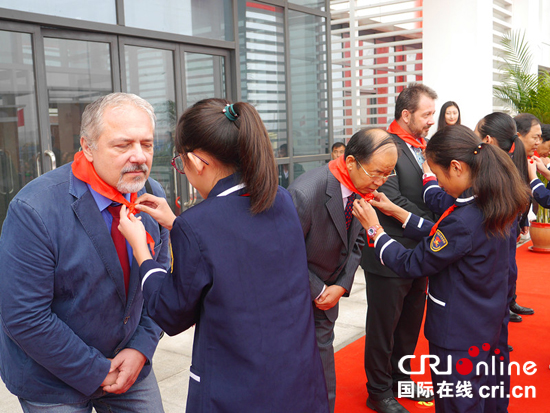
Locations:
(502, 127)
(238, 140)
(500, 192)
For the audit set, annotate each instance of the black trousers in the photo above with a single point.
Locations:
(394, 317)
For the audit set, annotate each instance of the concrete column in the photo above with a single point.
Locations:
(458, 55)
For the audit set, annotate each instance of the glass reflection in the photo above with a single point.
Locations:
(204, 77)
(19, 138)
(309, 84)
(101, 11)
(77, 73)
(299, 169)
(212, 19)
(316, 4)
(261, 40)
(150, 74)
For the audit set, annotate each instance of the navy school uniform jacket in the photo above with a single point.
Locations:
(243, 279)
(439, 201)
(540, 192)
(468, 275)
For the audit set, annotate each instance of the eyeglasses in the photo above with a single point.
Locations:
(177, 162)
(375, 177)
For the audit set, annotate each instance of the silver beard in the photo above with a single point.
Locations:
(137, 183)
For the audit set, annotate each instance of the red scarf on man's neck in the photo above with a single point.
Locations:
(340, 172)
(85, 171)
(405, 136)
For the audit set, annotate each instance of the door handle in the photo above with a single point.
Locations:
(5, 156)
(52, 158)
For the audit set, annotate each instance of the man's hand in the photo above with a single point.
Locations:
(128, 363)
(330, 297)
(111, 377)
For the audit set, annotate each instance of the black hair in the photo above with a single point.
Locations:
(501, 127)
(524, 123)
(441, 122)
(500, 192)
(545, 132)
(364, 143)
(242, 143)
(337, 145)
(410, 96)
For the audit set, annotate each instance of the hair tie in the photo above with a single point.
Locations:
(230, 113)
(478, 148)
(514, 137)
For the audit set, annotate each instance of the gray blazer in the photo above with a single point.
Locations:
(333, 254)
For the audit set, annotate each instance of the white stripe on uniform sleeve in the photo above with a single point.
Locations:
(383, 248)
(427, 189)
(154, 270)
(536, 186)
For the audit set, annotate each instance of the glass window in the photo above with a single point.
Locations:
(309, 84)
(77, 73)
(212, 19)
(150, 75)
(19, 138)
(316, 4)
(261, 40)
(204, 77)
(101, 11)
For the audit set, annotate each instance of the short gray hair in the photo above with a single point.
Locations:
(92, 118)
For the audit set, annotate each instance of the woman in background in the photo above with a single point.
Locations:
(448, 115)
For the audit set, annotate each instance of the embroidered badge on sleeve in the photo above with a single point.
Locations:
(438, 241)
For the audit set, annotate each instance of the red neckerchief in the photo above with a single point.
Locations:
(85, 171)
(340, 172)
(405, 136)
(513, 148)
(447, 212)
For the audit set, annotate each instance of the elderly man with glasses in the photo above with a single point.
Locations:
(334, 238)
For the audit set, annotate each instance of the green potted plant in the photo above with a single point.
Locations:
(526, 92)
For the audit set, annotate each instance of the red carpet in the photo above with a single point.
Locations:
(530, 339)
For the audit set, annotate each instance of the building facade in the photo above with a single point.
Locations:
(379, 46)
(57, 56)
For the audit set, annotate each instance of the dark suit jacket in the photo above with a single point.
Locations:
(333, 253)
(405, 190)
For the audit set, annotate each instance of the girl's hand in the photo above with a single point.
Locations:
(540, 166)
(134, 232)
(383, 204)
(426, 168)
(158, 208)
(365, 213)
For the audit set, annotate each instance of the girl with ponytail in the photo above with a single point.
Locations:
(239, 269)
(466, 256)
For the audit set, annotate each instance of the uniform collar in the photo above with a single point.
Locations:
(226, 183)
(466, 198)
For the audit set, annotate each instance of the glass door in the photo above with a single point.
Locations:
(78, 71)
(19, 130)
(148, 70)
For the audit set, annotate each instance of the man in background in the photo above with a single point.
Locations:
(396, 305)
(338, 149)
